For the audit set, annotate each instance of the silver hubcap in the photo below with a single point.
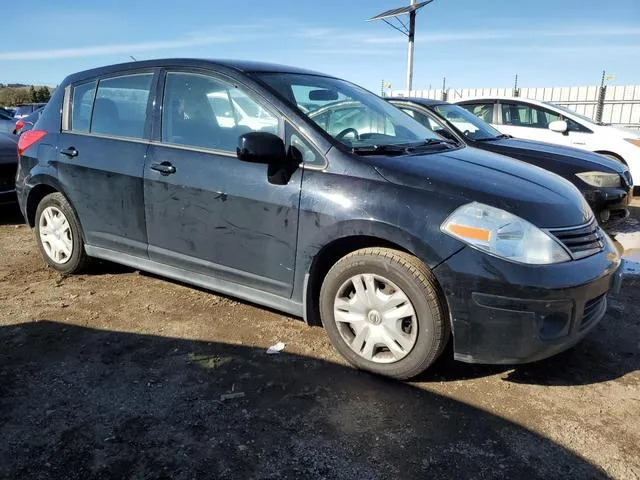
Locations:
(375, 318)
(55, 235)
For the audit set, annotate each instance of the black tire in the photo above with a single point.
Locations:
(78, 260)
(419, 285)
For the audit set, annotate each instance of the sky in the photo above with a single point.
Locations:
(470, 42)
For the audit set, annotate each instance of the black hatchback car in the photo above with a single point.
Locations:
(605, 183)
(243, 178)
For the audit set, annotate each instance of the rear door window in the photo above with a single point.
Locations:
(120, 106)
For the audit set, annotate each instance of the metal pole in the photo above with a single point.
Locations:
(602, 93)
(412, 31)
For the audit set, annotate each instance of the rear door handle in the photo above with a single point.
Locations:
(70, 152)
(165, 168)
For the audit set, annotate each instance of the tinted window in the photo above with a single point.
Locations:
(81, 106)
(522, 115)
(201, 111)
(120, 107)
(484, 111)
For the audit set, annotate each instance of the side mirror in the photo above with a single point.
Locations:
(559, 126)
(261, 147)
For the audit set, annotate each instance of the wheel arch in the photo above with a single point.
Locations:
(326, 257)
(41, 187)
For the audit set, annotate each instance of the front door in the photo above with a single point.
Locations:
(101, 154)
(207, 211)
(523, 120)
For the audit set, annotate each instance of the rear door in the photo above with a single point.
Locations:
(101, 154)
(207, 211)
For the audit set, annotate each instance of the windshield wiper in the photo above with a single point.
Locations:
(399, 149)
(380, 150)
(432, 142)
(497, 137)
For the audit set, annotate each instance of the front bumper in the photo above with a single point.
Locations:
(508, 313)
(610, 205)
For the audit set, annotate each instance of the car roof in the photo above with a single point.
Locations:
(513, 99)
(539, 103)
(418, 100)
(243, 66)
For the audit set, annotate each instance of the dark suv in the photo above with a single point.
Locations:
(251, 179)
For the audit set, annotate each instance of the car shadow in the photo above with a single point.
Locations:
(80, 403)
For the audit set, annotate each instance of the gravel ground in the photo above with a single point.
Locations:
(118, 374)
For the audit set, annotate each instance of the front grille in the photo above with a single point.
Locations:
(593, 310)
(581, 241)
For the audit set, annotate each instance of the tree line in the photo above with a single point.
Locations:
(12, 96)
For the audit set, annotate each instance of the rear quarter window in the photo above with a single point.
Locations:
(82, 104)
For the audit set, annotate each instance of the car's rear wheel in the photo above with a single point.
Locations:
(58, 235)
(383, 312)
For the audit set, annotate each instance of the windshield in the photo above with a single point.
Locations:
(467, 123)
(572, 112)
(351, 115)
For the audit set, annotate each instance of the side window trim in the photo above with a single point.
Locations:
(65, 109)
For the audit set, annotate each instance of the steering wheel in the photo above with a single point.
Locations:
(347, 131)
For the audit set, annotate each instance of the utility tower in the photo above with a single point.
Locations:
(408, 30)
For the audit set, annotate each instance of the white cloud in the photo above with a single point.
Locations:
(224, 35)
(333, 36)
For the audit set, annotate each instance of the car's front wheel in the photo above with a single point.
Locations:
(383, 312)
(58, 235)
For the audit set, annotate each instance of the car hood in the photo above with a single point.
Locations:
(582, 160)
(470, 174)
(8, 148)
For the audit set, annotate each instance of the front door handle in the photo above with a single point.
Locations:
(70, 152)
(165, 168)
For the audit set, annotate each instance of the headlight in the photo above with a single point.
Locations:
(504, 235)
(601, 179)
(635, 141)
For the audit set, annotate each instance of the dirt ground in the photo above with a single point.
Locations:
(118, 374)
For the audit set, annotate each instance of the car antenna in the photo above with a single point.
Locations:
(133, 58)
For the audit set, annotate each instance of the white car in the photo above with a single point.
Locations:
(547, 122)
